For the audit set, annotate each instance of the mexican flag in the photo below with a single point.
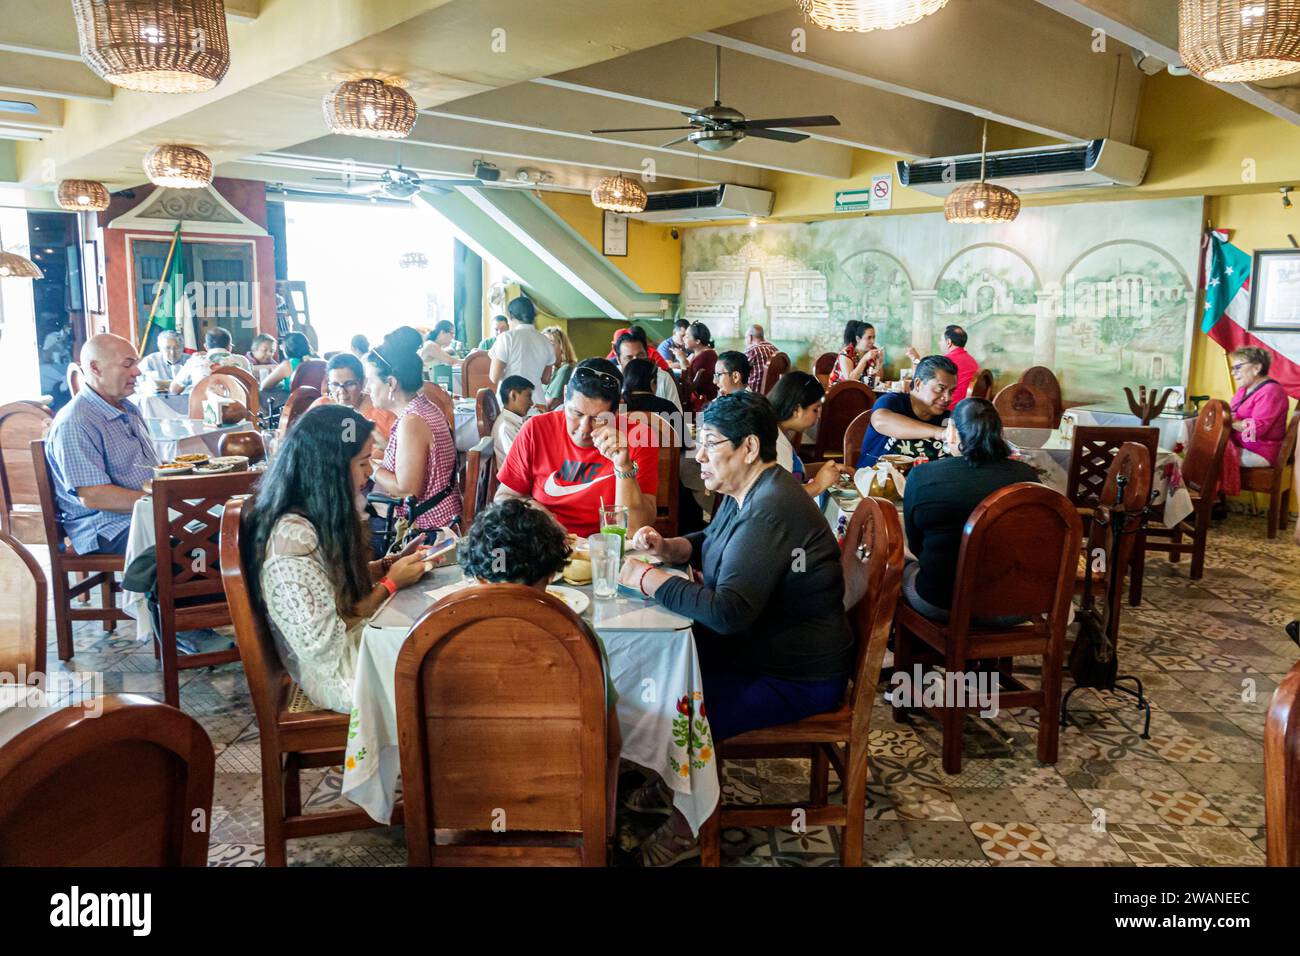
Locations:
(1227, 312)
(173, 310)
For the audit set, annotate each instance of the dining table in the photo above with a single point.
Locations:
(465, 426)
(653, 666)
(1172, 423)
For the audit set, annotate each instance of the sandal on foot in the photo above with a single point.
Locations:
(665, 848)
(650, 798)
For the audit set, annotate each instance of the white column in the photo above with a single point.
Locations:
(1048, 306)
(923, 337)
(18, 356)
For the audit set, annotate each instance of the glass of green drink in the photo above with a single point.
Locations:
(613, 520)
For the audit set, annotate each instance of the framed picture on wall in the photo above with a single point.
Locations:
(1275, 291)
(615, 234)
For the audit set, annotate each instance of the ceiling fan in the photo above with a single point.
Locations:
(719, 127)
(401, 183)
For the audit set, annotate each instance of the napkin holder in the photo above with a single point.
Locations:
(1068, 422)
(214, 409)
(881, 480)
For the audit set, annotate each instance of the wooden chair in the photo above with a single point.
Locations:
(854, 436)
(189, 591)
(98, 568)
(1282, 773)
(1045, 380)
(501, 720)
(982, 386)
(845, 401)
(310, 373)
(438, 395)
(649, 427)
(873, 572)
(224, 386)
(486, 410)
(778, 366)
(479, 483)
(21, 423)
(1266, 480)
(474, 372)
(823, 367)
(22, 609)
(1201, 466)
(75, 378)
(292, 736)
(1025, 406)
(299, 400)
(118, 781)
(1019, 557)
(1091, 454)
(252, 388)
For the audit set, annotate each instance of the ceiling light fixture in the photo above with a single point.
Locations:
(155, 46)
(178, 167)
(1239, 41)
(863, 16)
(14, 266)
(369, 107)
(82, 195)
(981, 202)
(618, 193)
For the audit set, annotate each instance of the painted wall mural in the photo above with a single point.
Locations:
(1103, 293)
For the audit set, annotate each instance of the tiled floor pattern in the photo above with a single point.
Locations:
(1209, 652)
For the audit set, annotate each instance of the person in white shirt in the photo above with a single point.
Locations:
(516, 394)
(166, 363)
(216, 344)
(523, 350)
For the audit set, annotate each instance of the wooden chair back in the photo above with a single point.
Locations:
(1045, 380)
(188, 533)
(1092, 454)
(310, 373)
(1205, 447)
(486, 410)
(1025, 406)
(501, 711)
(1282, 773)
(474, 372)
(438, 395)
(655, 429)
(872, 560)
(299, 400)
(778, 366)
(75, 377)
(51, 520)
(1133, 461)
(22, 610)
(21, 423)
(845, 401)
(854, 436)
(982, 387)
(118, 781)
(823, 367)
(224, 386)
(252, 388)
(1019, 556)
(479, 483)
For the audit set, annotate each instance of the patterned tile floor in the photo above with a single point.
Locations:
(1209, 652)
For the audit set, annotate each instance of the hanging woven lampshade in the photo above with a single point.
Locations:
(155, 46)
(82, 195)
(1239, 41)
(981, 202)
(14, 266)
(369, 107)
(863, 16)
(619, 194)
(177, 167)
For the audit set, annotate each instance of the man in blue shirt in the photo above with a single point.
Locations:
(913, 423)
(98, 449)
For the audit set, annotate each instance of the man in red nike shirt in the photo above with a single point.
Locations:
(570, 459)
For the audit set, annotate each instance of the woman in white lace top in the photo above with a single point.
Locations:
(308, 547)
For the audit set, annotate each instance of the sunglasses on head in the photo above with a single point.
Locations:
(586, 372)
(375, 357)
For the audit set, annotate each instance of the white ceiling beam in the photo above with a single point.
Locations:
(41, 76)
(48, 115)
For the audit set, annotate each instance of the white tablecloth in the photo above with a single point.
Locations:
(653, 668)
(466, 426)
(1172, 430)
(161, 404)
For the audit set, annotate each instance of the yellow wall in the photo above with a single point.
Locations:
(654, 257)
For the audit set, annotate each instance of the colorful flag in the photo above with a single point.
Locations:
(1227, 312)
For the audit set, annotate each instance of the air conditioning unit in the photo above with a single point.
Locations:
(701, 205)
(1090, 164)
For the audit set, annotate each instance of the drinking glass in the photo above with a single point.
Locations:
(613, 520)
(606, 554)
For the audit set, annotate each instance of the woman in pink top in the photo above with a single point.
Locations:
(1258, 409)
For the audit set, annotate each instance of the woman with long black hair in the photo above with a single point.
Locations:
(701, 365)
(307, 549)
(295, 347)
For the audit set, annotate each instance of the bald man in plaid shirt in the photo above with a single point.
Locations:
(759, 351)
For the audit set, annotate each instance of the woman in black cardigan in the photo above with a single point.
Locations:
(774, 641)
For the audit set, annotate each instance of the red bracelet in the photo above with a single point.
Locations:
(641, 581)
(389, 585)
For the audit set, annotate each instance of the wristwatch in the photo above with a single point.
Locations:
(625, 474)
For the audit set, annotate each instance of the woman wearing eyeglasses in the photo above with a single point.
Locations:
(1258, 409)
(420, 458)
(345, 384)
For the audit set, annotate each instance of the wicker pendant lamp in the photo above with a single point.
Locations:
(981, 202)
(177, 167)
(82, 195)
(1239, 41)
(618, 193)
(155, 46)
(863, 16)
(369, 107)
(14, 266)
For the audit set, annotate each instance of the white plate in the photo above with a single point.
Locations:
(576, 600)
(643, 557)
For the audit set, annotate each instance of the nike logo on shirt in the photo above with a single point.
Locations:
(556, 490)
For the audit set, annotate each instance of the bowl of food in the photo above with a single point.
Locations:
(169, 469)
(192, 459)
(903, 463)
(230, 462)
(578, 571)
(213, 468)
